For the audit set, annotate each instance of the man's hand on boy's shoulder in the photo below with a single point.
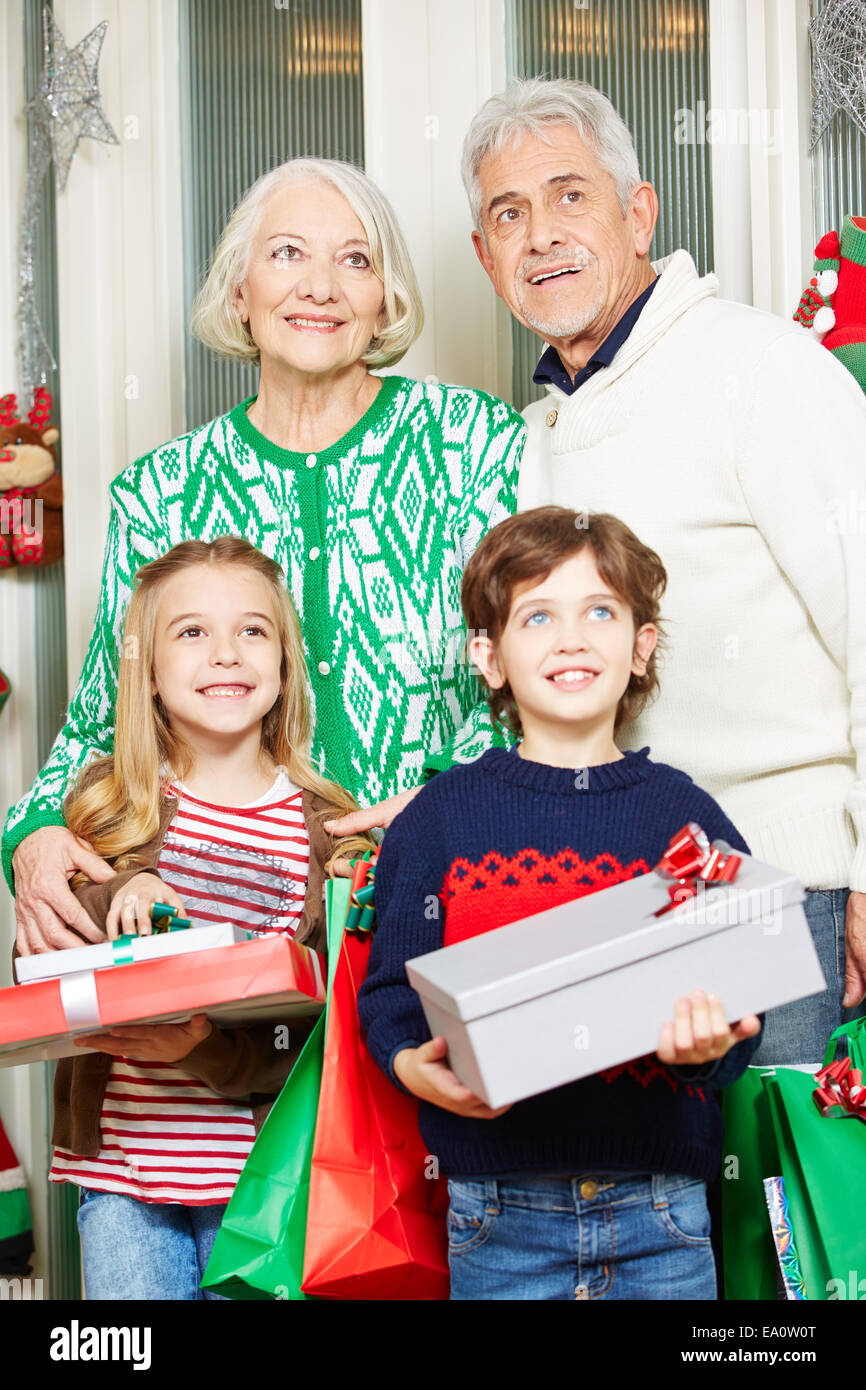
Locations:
(424, 1071)
(700, 1032)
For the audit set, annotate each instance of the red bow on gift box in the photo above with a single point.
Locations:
(690, 860)
(840, 1091)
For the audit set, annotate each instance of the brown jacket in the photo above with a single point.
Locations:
(242, 1062)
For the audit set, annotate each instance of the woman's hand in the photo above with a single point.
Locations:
(153, 1042)
(424, 1071)
(358, 821)
(45, 907)
(131, 906)
(700, 1032)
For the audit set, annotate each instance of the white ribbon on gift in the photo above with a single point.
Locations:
(79, 1002)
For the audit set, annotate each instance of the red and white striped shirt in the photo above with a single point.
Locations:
(166, 1137)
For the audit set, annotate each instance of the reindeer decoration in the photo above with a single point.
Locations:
(31, 493)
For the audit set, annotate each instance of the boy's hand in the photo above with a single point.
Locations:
(152, 1042)
(131, 906)
(424, 1071)
(700, 1032)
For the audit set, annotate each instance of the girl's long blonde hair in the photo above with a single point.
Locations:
(115, 804)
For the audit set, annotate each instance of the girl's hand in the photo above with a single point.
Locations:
(700, 1032)
(424, 1071)
(131, 906)
(152, 1042)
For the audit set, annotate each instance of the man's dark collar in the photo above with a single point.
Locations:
(550, 368)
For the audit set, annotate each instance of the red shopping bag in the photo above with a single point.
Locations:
(376, 1221)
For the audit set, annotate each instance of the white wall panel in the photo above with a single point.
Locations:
(428, 66)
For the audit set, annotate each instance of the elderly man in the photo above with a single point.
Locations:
(732, 443)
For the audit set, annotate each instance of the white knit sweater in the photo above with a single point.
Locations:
(735, 446)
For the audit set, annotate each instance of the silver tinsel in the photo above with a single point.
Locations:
(65, 110)
(838, 40)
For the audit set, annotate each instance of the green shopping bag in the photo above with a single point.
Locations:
(748, 1252)
(259, 1249)
(773, 1127)
(824, 1166)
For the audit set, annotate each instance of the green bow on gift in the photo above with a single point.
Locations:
(164, 918)
(361, 916)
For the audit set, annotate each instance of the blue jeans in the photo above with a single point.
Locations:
(142, 1250)
(613, 1236)
(798, 1032)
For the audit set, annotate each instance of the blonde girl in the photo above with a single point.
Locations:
(209, 803)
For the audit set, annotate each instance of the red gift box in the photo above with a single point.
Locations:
(251, 982)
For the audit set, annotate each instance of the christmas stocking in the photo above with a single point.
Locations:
(16, 1234)
(847, 338)
(5, 688)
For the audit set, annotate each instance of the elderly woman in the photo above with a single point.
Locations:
(371, 492)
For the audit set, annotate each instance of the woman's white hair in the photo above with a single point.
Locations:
(217, 322)
(526, 107)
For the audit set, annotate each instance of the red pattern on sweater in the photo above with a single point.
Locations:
(480, 896)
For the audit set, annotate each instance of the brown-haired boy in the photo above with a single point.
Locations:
(596, 1189)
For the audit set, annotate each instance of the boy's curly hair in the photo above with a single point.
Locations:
(527, 547)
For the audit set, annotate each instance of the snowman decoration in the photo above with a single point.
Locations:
(815, 310)
(833, 305)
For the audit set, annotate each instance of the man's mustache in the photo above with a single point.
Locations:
(577, 256)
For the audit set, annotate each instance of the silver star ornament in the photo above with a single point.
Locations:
(66, 108)
(838, 40)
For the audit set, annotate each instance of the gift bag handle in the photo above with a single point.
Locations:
(847, 1030)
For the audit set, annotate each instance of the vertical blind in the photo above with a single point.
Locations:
(651, 58)
(260, 84)
(838, 171)
(61, 1259)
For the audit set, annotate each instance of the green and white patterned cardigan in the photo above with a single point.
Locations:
(373, 535)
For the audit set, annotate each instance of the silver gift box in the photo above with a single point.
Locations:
(587, 985)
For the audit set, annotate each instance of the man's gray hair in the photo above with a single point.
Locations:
(526, 107)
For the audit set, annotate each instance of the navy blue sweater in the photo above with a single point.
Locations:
(490, 842)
